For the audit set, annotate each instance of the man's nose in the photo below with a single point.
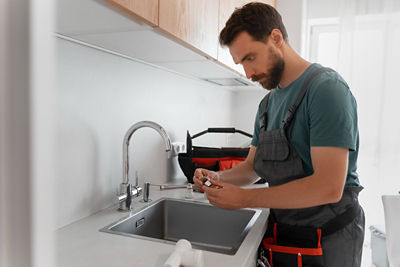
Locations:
(249, 71)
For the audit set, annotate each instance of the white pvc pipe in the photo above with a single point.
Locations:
(184, 255)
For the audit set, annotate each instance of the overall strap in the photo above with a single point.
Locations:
(262, 118)
(286, 122)
(341, 220)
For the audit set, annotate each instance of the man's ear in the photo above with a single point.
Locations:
(276, 37)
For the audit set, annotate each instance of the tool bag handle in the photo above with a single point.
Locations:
(222, 130)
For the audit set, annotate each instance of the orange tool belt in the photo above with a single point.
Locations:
(292, 255)
(288, 245)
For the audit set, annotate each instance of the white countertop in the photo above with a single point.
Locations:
(81, 244)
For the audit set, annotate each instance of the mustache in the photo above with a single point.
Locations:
(256, 78)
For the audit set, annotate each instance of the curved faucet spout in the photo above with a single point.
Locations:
(128, 135)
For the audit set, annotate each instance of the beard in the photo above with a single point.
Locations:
(271, 79)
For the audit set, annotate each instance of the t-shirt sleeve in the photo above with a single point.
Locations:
(333, 115)
(256, 132)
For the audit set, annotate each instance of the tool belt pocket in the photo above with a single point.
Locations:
(289, 246)
(279, 157)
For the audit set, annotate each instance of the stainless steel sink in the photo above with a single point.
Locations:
(205, 226)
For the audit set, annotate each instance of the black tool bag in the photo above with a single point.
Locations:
(210, 158)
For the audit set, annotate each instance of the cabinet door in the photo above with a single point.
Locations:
(145, 9)
(193, 21)
(226, 8)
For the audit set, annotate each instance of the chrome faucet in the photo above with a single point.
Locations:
(126, 189)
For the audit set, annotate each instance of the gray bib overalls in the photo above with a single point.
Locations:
(277, 162)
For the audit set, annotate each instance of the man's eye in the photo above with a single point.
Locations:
(250, 58)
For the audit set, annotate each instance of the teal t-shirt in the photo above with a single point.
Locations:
(327, 116)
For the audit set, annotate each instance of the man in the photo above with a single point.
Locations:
(307, 155)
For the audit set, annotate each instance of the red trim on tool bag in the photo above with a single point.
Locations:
(228, 163)
(211, 161)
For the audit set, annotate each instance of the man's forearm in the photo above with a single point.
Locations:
(302, 193)
(324, 186)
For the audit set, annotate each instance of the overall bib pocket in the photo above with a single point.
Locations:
(279, 157)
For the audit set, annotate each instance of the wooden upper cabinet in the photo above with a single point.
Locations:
(196, 23)
(145, 9)
(226, 8)
(193, 21)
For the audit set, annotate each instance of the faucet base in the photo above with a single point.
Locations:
(127, 192)
(124, 208)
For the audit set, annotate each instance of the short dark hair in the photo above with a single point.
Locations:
(257, 19)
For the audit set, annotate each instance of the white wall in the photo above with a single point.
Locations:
(99, 96)
(26, 133)
(15, 176)
(245, 106)
(292, 16)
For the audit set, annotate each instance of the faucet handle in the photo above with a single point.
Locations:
(136, 178)
(146, 191)
(129, 197)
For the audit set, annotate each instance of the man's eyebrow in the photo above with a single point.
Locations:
(245, 57)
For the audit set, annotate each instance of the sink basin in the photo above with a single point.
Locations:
(206, 227)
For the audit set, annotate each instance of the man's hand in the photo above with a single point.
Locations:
(200, 173)
(225, 196)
